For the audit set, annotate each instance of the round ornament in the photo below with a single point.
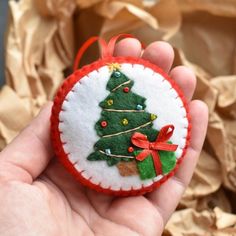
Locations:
(148, 131)
(130, 149)
(126, 89)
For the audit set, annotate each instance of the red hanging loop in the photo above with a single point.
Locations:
(113, 40)
(107, 50)
(86, 45)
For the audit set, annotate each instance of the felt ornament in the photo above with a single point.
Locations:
(119, 125)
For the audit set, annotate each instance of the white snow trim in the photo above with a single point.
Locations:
(81, 112)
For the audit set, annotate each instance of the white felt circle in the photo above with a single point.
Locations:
(80, 111)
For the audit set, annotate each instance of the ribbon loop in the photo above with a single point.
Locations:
(140, 140)
(86, 45)
(107, 49)
(113, 40)
(165, 133)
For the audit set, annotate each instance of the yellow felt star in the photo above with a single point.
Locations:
(114, 66)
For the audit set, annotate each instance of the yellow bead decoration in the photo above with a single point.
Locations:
(153, 116)
(109, 102)
(125, 121)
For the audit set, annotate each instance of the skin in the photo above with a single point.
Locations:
(38, 197)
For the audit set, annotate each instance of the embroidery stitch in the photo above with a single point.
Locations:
(123, 110)
(120, 85)
(128, 131)
(119, 156)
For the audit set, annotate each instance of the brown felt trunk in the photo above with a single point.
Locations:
(127, 168)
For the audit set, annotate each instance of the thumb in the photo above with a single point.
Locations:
(29, 153)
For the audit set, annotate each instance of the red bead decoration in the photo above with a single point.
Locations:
(126, 89)
(103, 123)
(130, 149)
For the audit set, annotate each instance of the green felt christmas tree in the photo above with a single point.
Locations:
(123, 113)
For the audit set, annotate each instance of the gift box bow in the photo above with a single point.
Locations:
(140, 140)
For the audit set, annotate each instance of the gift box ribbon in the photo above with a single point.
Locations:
(140, 140)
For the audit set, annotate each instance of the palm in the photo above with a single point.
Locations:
(43, 199)
(81, 209)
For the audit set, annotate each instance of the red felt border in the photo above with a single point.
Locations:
(55, 133)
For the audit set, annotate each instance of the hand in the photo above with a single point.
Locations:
(39, 198)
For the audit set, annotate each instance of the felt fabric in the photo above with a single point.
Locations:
(116, 80)
(119, 146)
(117, 124)
(121, 121)
(146, 168)
(77, 122)
(168, 161)
(127, 168)
(122, 100)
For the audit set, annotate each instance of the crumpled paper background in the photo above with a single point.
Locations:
(44, 35)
